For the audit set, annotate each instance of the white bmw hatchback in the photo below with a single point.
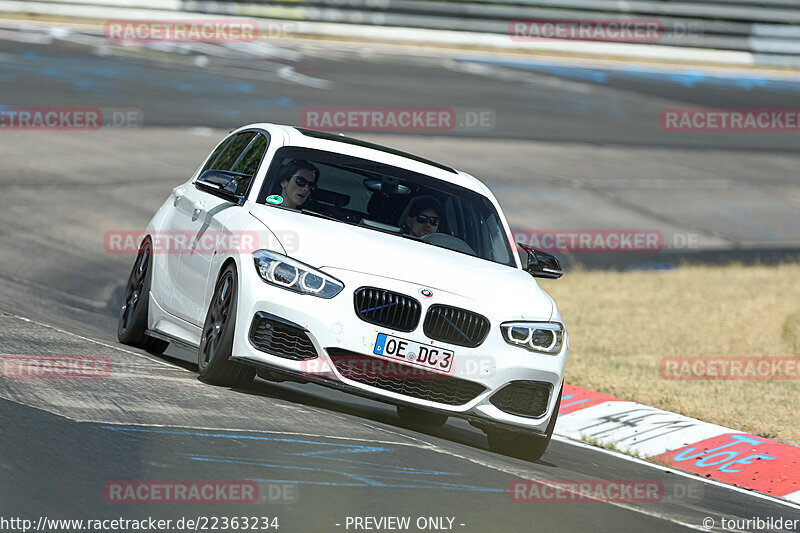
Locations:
(312, 257)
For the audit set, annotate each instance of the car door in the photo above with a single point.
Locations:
(206, 225)
(172, 233)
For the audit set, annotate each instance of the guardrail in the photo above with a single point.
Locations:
(770, 29)
(767, 30)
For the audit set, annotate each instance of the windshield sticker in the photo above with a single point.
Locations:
(275, 199)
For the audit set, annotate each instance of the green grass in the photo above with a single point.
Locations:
(621, 324)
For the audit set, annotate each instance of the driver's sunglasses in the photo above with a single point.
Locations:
(425, 219)
(302, 182)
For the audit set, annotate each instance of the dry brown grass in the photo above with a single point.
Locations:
(622, 324)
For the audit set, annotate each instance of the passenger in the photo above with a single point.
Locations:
(299, 182)
(424, 216)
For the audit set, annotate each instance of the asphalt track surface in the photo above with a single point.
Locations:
(568, 147)
(63, 440)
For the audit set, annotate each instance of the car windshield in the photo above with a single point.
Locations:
(386, 198)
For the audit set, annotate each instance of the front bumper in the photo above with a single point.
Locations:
(335, 331)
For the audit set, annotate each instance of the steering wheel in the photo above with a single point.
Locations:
(446, 240)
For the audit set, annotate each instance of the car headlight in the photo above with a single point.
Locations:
(287, 273)
(541, 337)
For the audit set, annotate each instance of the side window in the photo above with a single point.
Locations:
(215, 155)
(497, 238)
(232, 151)
(249, 160)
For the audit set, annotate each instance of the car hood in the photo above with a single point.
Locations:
(328, 244)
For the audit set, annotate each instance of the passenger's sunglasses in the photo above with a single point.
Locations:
(425, 219)
(302, 182)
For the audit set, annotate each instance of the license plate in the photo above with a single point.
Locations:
(413, 353)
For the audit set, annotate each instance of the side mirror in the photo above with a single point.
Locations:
(541, 264)
(223, 184)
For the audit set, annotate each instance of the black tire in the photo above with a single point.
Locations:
(420, 417)
(216, 343)
(521, 445)
(132, 322)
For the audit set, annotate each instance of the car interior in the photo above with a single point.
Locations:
(380, 197)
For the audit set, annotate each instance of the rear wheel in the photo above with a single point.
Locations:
(132, 322)
(522, 445)
(420, 417)
(216, 343)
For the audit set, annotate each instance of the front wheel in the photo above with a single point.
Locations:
(216, 343)
(521, 445)
(132, 322)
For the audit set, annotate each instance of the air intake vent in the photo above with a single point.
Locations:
(523, 398)
(456, 326)
(386, 308)
(282, 338)
(384, 375)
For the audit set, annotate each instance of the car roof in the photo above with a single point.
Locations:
(332, 142)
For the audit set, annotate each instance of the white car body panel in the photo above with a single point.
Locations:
(326, 243)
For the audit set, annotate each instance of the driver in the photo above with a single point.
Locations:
(424, 216)
(299, 181)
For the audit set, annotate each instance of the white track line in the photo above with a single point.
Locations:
(683, 473)
(87, 339)
(433, 447)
